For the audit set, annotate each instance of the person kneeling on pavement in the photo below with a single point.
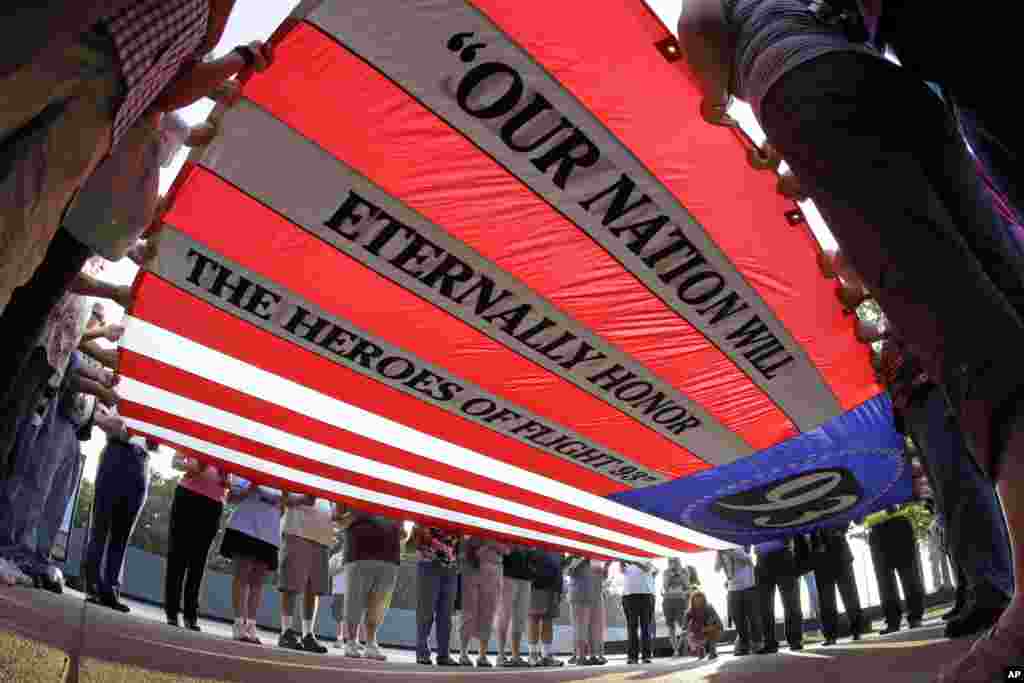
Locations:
(703, 627)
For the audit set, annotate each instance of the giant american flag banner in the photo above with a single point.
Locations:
(482, 264)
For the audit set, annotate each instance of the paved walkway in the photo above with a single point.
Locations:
(48, 639)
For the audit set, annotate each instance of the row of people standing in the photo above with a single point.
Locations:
(505, 590)
(780, 564)
(292, 534)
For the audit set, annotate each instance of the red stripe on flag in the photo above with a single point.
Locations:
(420, 160)
(344, 287)
(313, 467)
(704, 166)
(167, 307)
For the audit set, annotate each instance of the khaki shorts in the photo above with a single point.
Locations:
(369, 587)
(303, 567)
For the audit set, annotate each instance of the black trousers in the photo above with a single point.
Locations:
(22, 322)
(829, 578)
(195, 520)
(122, 485)
(639, 609)
(934, 253)
(976, 533)
(894, 551)
(776, 570)
(745, 610)
(922, 39)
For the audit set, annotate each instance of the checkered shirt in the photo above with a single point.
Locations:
(153, 39)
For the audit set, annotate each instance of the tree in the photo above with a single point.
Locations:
(83, 508)
(152, 529)
(920, 518)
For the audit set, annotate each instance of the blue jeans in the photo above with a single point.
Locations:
(976, 533)
(122, 484)
(435, 600)
(35, 498)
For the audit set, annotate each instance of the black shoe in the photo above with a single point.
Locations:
(290, 640)
(741, 652)
(310, 644)
(889, 629)
(855, 636)
(973, 620)
(572, 660)
(713, 656)
(425, 661)
(829, 641)
(768, 650)
(446, 660)
(48, 583)
(646, 660)
(953, 612)
(796, 647)
(959, 604)
(600, 660)
(632, 661)
(914, 623)
(111, 601)
(193, 625)
(173, 621)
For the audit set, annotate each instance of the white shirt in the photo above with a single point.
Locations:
(256, 517)
(311, 522)
(338, 569)
(636, 580)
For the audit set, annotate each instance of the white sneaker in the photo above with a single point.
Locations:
(501, 661)
(13, 575)
(373, 652)
(353, 650)
(7, 575)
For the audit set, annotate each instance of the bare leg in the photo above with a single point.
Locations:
(533, 635)
(256, 576)
(311, 601)
(239, 588)
(287, 610)
(352, 630)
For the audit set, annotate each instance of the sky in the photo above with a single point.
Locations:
(256, 20)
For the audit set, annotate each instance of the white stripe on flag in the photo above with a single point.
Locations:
(201, 413)
(154, 342)
(349, 491)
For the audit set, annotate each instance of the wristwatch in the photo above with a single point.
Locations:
(247, 54)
